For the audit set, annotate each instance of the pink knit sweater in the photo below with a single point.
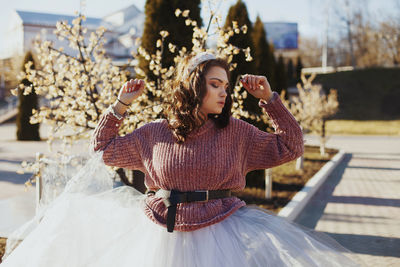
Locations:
(210, 159)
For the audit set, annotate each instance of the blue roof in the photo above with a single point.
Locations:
(46, 19)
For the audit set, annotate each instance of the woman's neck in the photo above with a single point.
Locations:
(204, 116)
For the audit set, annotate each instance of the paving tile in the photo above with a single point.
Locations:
(359, 204)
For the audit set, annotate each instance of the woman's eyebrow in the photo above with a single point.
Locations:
(221, 81)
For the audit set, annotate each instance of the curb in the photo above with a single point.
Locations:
(301, 198)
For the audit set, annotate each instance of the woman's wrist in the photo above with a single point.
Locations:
(123, 103)
(119, 108)
(268, 97)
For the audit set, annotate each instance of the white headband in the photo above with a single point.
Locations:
(198, 59)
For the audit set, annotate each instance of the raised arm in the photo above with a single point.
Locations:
(266, 150)
(117, 150)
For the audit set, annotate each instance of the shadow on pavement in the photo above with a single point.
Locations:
(362, 244)
(369, 244)
(314, 210)
(374, 201)
(13, 177)
(18, 162)
(377, 159)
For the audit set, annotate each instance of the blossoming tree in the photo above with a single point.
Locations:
(78, 88)
(312, 107)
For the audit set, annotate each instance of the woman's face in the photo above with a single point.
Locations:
(217, 85)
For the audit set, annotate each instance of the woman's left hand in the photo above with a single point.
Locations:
(256, 85)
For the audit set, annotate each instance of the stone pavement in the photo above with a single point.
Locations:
(359, 204)
(17, 202)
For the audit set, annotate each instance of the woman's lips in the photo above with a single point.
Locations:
(222, 103)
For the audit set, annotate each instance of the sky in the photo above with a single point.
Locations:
(309, 14)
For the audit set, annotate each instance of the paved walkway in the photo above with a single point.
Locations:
(17, 202)
(359, 204)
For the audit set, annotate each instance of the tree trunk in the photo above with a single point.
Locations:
(350, 34)
(268, 183)
(300, 160)
(322, 144)
(300, 163)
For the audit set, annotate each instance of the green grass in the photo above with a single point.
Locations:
(352, 127)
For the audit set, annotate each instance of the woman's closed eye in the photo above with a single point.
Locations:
(216, 86)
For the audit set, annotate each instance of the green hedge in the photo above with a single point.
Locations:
(368, 94)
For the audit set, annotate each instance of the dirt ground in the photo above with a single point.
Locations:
(286, 180)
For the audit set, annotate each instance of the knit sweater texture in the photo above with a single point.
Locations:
(209, 159)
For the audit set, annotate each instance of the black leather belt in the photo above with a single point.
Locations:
(173, 197)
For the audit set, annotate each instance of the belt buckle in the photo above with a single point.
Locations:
(205, 191)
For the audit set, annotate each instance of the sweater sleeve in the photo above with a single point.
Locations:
(266, 150)
(118, 151)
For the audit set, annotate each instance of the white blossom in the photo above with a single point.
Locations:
(81, 86)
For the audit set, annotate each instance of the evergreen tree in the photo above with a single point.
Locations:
(264, 61)
(281, 76)
(160, 16)
(25, 130)
(291, 78)
(238, 13)
(299, 66)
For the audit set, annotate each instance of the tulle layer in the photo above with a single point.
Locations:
(110, 229)
(100, 226)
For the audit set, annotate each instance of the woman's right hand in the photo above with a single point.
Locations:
(131, 90)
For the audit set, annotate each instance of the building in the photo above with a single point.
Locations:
(128, 24)
(123, 27)
(284, 36)
(25, 26)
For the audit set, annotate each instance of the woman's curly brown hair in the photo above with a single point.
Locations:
(186, 95)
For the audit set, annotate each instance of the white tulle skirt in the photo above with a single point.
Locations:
(93, 224)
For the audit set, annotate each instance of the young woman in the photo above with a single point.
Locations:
(192, 161)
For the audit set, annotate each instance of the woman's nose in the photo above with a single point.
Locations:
(224, 93)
